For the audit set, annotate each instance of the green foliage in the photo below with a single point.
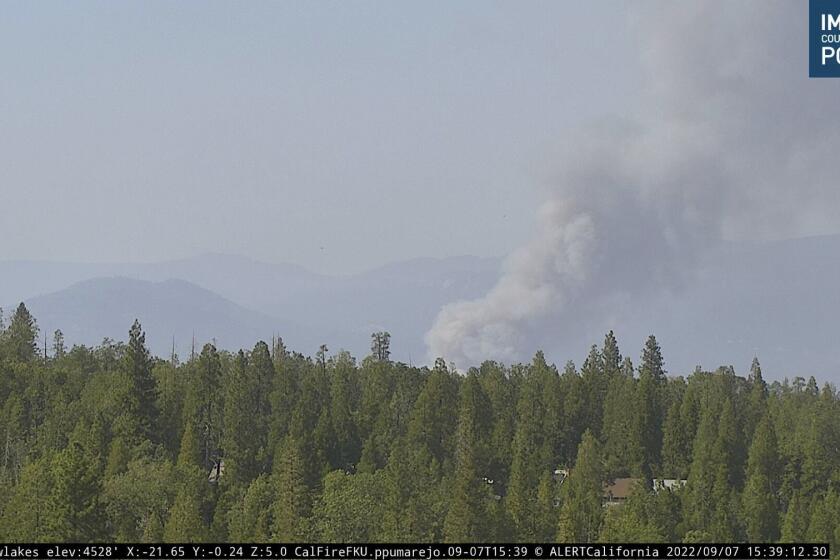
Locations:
(582, 511)
(21, 337)
(185, 523)
(622, 526)
(118, 458)
(649, 407)
(244, 437)
(679, 433)
(466, 519)
(292, 502)
(137, 363)
(137, 502)
(26, 515)
(251, 519)
(190, 453)
(761, 494)
(74, 510)
(699, 497)
(204, 404)
(380, 346)
(535, 445)
(350, 508)
(622, 443)
(109, 443)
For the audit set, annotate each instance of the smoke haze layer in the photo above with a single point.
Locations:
(730, 141)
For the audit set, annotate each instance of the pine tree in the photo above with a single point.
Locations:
(138, 501)
(26, 515)
(263, 373)
(546, 514)
(622, 444)
(190, 453)
(653, 365)
(344, 392)
(118, 457)
(380, 346)
(292, 502)
(74, 513)
(825, 519)
(415, 500)
(728, 446)
(137, 363)
(377, 392)
(324, 444)
(321, 357)
(699, 499)
(761, 509)
(242, 440)
(185, 523)
(757, 405)
(711, 504)
(821, 447)
(350, 508)
(308, 419)
(573, 417)
(582, 512)
(171, 384)
(611, 357)
(680, 430)
(648, 405)
(795, 524)
(251, 520)
(726, 526)
(59, 349)
(500, 392)
(466, 519)
(284, 395)
(535, 444)
(205, 409)
(22, 335)
(595, 384)
(432, 425)
(674, 460)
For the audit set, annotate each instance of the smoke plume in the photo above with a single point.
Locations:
(731, 140)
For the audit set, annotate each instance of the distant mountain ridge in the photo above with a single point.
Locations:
(777, 300)
(171, 310)
(306, 308)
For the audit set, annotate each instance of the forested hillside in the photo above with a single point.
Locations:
(268, 444)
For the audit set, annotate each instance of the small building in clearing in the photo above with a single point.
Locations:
(618, 490)
(668, 484)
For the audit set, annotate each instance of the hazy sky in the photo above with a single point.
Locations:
(729, 140)
(334, 135)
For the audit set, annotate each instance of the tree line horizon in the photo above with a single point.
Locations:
(109, 442)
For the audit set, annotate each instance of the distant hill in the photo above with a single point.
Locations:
(778, 300)
(240, 279)
(341, 311)
(91, 310)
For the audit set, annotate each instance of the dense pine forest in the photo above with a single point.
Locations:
(271, 445)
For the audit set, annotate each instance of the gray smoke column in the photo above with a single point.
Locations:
(731, 141)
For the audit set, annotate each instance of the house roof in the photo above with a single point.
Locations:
(620, 488)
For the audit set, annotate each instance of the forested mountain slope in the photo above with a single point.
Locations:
(110, 443)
